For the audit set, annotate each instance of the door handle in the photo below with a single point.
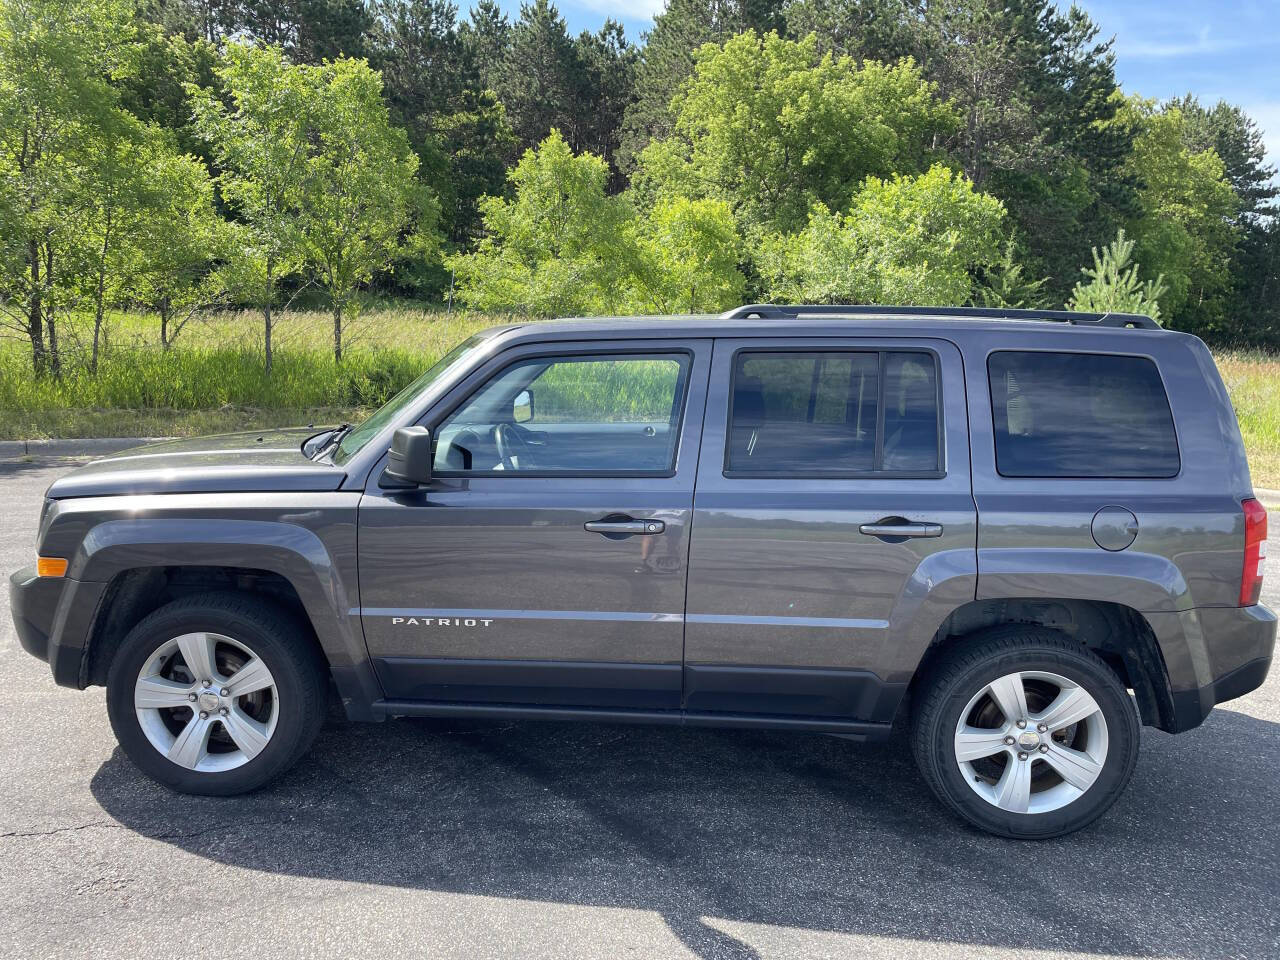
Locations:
(625, 528)
(901, 528)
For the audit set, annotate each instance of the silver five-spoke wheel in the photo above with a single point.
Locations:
(206, 702)
(1031, 742)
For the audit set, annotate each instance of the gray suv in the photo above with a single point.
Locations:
(1017, 535)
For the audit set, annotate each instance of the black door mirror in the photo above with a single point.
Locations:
(409, 460)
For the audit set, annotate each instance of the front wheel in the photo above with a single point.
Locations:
(1025, 733)
(215, 694)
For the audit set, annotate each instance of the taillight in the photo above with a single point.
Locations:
(1255, 552)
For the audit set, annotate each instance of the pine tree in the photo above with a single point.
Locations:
(1114, 286)
(540, 76)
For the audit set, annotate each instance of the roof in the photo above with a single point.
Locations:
(764, 320)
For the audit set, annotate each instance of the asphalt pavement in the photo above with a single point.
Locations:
(487, 839)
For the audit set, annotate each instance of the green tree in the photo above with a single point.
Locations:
(540, 76)
(559, 245)
(687, 258)
(1183, 228)
(179, 239)
(863, 29)
(1004, 284)
(605, 88)
(108, 213)
(156, 90)
(58, 62)
(479, 146)
(1234, 136)
(260, 141)
(908, 240)
(486, 38)
(308, 31)
(1033, 84)
(666, 60)
(1254, 314)
(419, 52)
(772, 126)
(359, 192)
(1114, 285)
(438, 85)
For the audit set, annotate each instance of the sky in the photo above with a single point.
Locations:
(1164, 48)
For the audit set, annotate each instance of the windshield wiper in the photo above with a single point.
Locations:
(332, 440)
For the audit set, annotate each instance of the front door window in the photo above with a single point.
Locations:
(616, 415)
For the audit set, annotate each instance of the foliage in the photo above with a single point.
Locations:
(771, 126)
(688, 255)
(58, 60)
(178, 242)
(667, 58)
(1183, 227)
(563, 245)
(260, 141)
(909, 240)
(557, 246)
(359, 187)
(1004, 284)
(1228, 130)
(1114, 285)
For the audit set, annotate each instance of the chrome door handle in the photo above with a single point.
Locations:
(627, 528)
(901, 529)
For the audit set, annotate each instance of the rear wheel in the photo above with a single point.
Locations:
(215, 694)
(1025, 733)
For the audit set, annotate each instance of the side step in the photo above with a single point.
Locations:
(850, 729)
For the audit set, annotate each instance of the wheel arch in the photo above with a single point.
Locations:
(1122, 636)
(148, 562)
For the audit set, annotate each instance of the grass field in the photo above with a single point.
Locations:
(213, 379)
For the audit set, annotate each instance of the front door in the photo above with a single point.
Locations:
(545, 564)
(834, 525)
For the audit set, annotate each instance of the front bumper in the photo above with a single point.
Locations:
(53, 617)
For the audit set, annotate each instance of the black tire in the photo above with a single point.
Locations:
(959, 674)
(269, 632)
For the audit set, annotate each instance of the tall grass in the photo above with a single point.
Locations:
(1253, 380)
(214, 378)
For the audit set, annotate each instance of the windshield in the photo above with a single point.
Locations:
(359, 436)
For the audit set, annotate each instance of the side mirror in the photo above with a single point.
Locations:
(522, 407)
(409, 460)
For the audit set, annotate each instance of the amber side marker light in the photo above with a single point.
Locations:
(51, 567)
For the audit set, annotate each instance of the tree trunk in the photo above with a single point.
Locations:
(55, 361)
(97, 323)
(163, 306)
(35, 312)
(266, 315)
(337, 332)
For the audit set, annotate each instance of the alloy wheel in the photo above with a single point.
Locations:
(1031, 742)
(206, 701)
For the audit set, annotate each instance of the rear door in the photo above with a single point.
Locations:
(834, 525)
(545, 564)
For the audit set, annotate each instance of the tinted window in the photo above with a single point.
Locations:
(613, 414)
(837, 412)
(1080, 415)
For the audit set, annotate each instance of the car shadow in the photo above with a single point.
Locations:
(754, 827)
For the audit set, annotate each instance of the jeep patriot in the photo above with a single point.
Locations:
(1019, 535)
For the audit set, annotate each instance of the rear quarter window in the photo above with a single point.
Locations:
(1080, 415)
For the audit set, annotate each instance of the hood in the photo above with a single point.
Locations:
(269, 460)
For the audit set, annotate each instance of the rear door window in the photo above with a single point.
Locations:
(1080, 415)
(833, 413)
